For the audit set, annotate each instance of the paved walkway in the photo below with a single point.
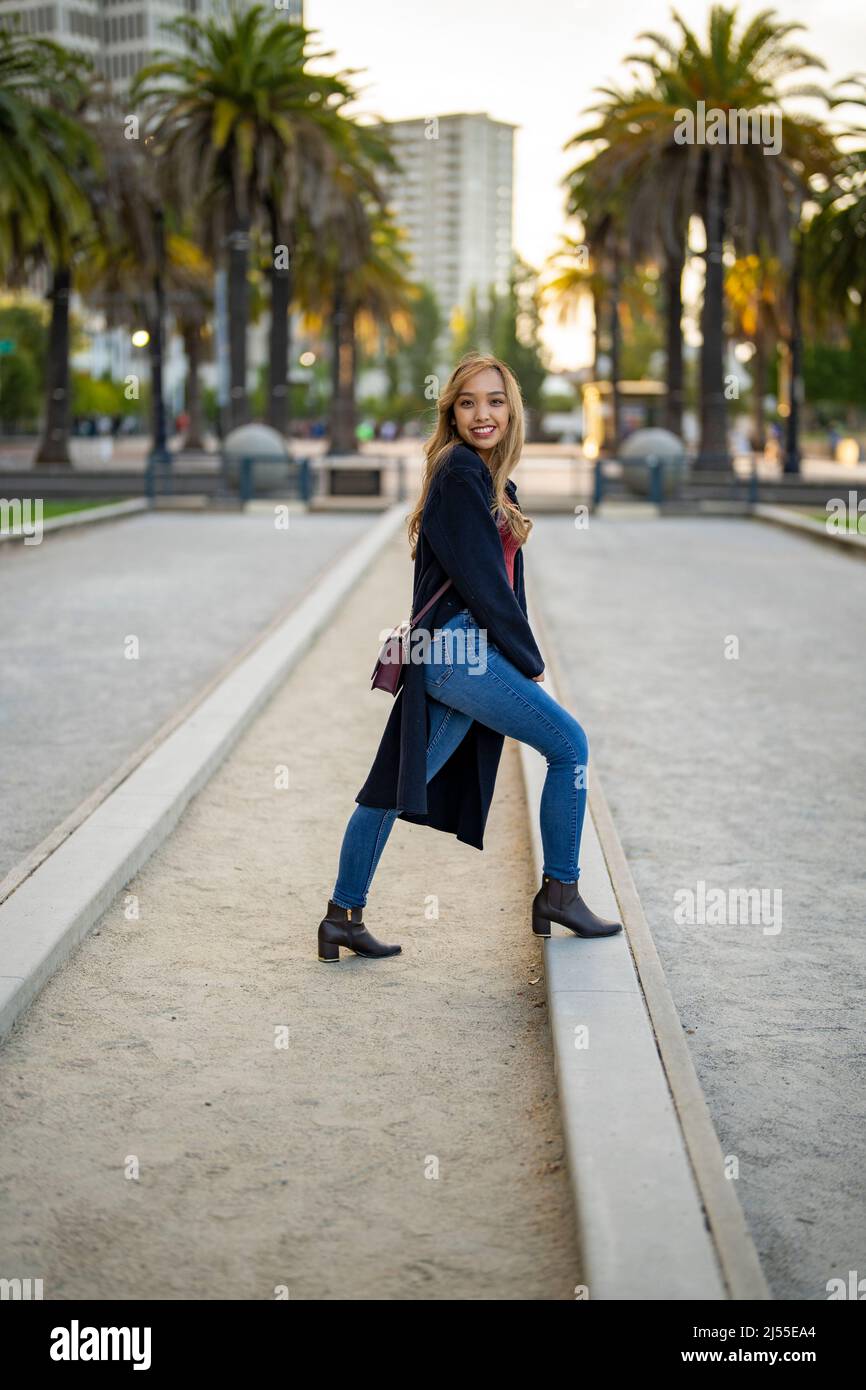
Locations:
(156, 1048)
(745, 773)
(192, 588)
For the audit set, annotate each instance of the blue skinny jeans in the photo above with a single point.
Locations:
(467, 677)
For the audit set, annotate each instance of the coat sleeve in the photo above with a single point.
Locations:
(463, 535)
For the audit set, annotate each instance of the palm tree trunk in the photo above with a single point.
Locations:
(238, 307)
(349, 414)
(54, 444)
(792, 440)
(616, 422)
(674, 263)
(759, 391)
(281, 297)
(597, 318)
(342, 412)
(333, 407)
(192, 348)
(713, 453)
(157, 339)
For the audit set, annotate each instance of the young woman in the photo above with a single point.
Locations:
(480, 677)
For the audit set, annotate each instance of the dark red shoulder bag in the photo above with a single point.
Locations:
(394, 657)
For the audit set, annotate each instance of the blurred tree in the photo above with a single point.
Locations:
(249, 133)
(360, 273)
(516, 339)
(834, 247)
(636, 150)
(44, 151)
(633, 154)
(20, 389)
(572, 277)
(141, 266)
(754, 290)
(409, 365)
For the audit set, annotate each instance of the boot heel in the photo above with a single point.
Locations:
(328, 951)
(540, 925)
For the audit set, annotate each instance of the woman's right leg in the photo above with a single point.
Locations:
(369, 826)
(475, 677)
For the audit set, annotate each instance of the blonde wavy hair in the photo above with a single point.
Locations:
(504, 457)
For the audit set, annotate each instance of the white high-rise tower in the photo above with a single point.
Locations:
(120, 35)
(454, 197)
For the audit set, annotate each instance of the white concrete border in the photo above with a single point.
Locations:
(850, 541)
(55, 907)
(88, 516)
(656, 1218)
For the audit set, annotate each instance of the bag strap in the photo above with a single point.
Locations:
(418, 616)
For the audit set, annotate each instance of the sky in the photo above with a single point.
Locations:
(536, 65)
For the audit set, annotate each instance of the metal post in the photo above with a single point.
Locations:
(245, 488)
(160, 433)
(792, 434)
(598, 483)
(753, 479)
(655, 490)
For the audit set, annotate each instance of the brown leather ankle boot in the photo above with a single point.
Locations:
(344, 926)
(561, 902)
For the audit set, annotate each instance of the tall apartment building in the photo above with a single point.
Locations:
(119, 35)
(454, 198)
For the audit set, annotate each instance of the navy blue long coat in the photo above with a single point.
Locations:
(458, 540)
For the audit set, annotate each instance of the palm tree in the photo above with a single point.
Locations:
(45, 151)
(742, 194)
(360, 273)
(571, 278)
(835, 246)
(755, 289)
(190, 295)
(603, 221)
(738, 192)
(338, 181)
(141, 266)
(633, 157)
(245, 130)
(22, 201)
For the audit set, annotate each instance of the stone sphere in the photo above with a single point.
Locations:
(266, 446)
(645, 447)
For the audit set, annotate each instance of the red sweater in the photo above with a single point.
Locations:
(510, 547)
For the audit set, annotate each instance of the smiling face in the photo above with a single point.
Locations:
(481, 411)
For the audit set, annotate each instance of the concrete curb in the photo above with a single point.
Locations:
(849, 541)
(46, 916)
(86, 517)
(657, 1220)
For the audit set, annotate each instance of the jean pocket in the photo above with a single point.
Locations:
(441, 663)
